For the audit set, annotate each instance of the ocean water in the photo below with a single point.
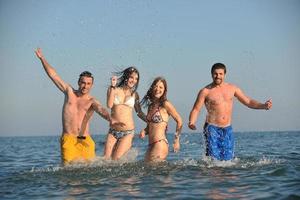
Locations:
(267, 166)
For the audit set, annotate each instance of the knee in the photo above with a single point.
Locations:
(116, 157)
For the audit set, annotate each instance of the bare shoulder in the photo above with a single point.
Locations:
(208, 88)
(232, 87)
(94, 100)
(168, 105)
(204, 91)
(70, 90)
(69, 87)
(117, 89)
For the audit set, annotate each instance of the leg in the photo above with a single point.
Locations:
(69, 152)
(213, 142)
(228, 144)
(109, 146)
(123, 145)
(88, 148)
(157, 152)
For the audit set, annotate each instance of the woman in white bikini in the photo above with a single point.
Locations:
(159, 110)
(122, 98)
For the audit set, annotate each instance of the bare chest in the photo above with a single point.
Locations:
(77, 105)
(219, 97)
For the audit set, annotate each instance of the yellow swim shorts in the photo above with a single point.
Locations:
(74, 149)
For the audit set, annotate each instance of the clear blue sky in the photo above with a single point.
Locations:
(258, 40)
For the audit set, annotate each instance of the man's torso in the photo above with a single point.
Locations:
(74, 110)
(219, 102)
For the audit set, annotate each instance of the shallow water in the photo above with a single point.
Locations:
(267, 166)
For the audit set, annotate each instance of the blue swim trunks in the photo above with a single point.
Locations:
(219, 142)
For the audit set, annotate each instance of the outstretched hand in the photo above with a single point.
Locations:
(39, 53)
(268, 104)
(113, 81)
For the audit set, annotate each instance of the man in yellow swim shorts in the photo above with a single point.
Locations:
(76, 149)
(78, 108)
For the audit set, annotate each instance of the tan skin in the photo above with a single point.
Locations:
(156, 131)
(218, 99)
(77, 104)
(122, 115)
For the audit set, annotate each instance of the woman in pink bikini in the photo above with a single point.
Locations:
(159, 110)
(122, 98)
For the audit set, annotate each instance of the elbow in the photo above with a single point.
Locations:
(180, 126)
(179, 123)
(251, 106)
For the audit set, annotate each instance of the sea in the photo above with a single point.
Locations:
(266, 166)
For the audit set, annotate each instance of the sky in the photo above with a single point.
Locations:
(258, 41)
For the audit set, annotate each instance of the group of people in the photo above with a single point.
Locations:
(123, 99)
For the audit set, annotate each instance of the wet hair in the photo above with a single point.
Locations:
(218, 66)
(86, 74)
(124, 75)
(149, 97)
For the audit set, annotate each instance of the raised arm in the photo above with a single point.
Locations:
(175, 115)
(138, 109)
(51, 72)
(111, 92)
(196, 109)
(251, 103)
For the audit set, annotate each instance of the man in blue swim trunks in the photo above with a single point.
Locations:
(218, 99)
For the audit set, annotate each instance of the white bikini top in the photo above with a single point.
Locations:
(128, 101)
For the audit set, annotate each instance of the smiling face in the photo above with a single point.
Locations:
(85, 84)
(158, 89)
(132, 79)
(157, 93)
(218, 76)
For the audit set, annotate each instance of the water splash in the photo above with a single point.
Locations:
(46, 169)
(129, 165)
(218, 163)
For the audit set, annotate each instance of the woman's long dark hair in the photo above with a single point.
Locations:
(124, 75)
(149, 97)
